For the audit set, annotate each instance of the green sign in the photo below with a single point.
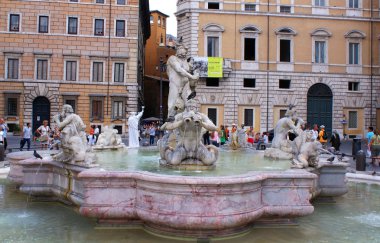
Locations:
(215, 67)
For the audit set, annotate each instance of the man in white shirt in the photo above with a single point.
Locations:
(5, 131)
(96, 133)
(315, 132)
(27, 133)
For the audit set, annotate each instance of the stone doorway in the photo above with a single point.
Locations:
(41, 111)
(319, 106)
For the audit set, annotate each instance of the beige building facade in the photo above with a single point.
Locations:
(320, 55)
(78, 52)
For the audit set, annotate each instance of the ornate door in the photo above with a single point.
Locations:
(319, 106)
(41, 111)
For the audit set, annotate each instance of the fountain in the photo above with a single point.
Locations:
(109, 139)
(185, 194)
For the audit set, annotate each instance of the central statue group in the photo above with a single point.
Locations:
(181, 145)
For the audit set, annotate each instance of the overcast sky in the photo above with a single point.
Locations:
(167, 7)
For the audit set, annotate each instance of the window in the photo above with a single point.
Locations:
(72, 102)
(117, 109)
(213, 5)
(12, 70)
(282, 113)
(353, 3)
(249, 83)
(163, 22)
(353, 86)
(285, 50)
(213, 82)
(72, 26)
(320, 52)
(212, 46)
(99, 27)
(120, 28)
(119, 129)
(320, 3)
(14, 22)
(162, 39)
(159, 21)
(284, 84)
(352, 119)
(353, 53)
(42, 69)
(120, 2)
(151, 19)
(12, 106)
(250, 7)
(250, 49)
(97, 108)
(99, 1)
(74, 1)
(97, 72)
(119, 72)
(212, 113)
(285, 9)
(43, 24)
(248, 117)
(71, 70)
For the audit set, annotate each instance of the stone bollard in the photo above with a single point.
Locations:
(360, 161)
(2, 152)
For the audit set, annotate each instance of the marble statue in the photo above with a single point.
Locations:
(303, 150)
(234, 138)
(188, 128)
(73, 137)
(133, 128)
(109, 139)
(242, 137)
(180, 75)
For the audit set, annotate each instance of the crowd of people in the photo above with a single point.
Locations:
(220, 137)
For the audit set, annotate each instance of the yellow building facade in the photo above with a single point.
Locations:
(320, 55)
(78, 52)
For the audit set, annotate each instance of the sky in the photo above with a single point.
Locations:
(167, 7)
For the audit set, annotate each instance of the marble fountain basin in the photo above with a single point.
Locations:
(193, 204)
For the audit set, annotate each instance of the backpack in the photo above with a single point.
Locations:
(324, 136)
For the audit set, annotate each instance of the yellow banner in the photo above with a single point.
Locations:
(215, 67)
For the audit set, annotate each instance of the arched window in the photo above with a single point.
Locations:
(213, 39)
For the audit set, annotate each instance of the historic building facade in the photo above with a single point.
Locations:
(79, 52)
(320, 55)
(158, 50)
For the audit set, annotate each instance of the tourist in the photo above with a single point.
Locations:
(91, 137)
(152, 134)
(322, 136)
(257, 137)
(56, 141)
(315, 132)
(265, 137)
(227, 132)
(96, 133)
(206, 138)
(335, 140)
(222, 135)
(5, 131)
(1, 136)
(375, 144)
(26, 135)
(215, 138)
(44, 131)
(251, 135)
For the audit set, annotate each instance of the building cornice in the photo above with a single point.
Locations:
(308, 16)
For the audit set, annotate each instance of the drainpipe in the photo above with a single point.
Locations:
(267, 67)
(109, 58)
(371, 61)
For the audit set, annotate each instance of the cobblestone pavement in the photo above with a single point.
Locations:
(346, 147)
